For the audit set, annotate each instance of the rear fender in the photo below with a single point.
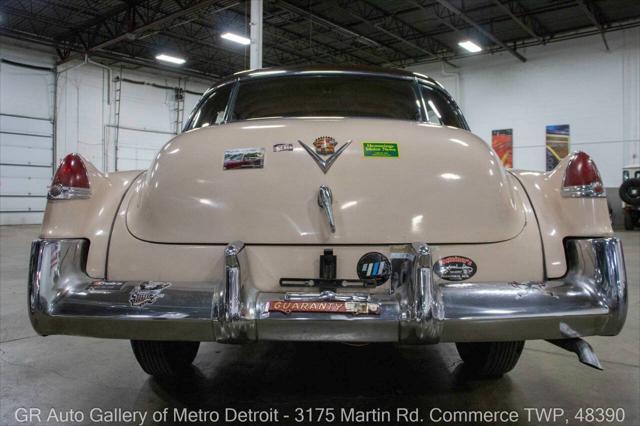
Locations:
(90, 218)
(560, 217)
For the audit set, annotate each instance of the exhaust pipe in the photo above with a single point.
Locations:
(580, 347)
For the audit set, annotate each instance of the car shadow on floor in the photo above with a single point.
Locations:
(288, 375)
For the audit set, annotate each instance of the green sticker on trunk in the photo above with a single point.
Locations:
(380, 149)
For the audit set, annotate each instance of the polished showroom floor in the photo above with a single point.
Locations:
(77, 373)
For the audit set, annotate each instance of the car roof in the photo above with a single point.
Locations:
(325, 69)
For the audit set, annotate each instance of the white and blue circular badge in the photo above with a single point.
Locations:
(374, 266)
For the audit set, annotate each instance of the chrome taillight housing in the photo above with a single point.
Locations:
(582, 178)
(71, 180)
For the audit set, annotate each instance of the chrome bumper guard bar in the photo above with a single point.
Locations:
(590, 300)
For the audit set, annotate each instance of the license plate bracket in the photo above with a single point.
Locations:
(326, 283)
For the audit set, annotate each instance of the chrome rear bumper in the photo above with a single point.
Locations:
(590, 300)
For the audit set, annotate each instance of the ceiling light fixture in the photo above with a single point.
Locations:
(171, 59)
(236, 38)
(470, 46)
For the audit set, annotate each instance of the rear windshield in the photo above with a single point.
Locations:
(327, 95)
(322, 96)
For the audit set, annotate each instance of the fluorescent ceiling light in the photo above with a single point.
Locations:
(236, 38)
(172, 59)
(470, 46)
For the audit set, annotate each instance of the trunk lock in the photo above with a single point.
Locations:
(325, 200)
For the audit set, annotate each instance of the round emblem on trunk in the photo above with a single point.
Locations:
(455, 268)
(325, 145)
(374, 266)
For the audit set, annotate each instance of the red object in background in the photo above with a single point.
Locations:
(582, 171)
(72, 173)
(502, 144)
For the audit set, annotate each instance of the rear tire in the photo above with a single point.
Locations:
(490, 359)
(629, 220)
(163, 359)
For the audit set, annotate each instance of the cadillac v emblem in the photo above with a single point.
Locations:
(325, 153)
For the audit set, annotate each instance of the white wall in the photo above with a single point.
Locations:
(85, 121)
(574, 82)
(87, 118)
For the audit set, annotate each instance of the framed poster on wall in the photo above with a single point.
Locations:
(502, 144)
(557, 144)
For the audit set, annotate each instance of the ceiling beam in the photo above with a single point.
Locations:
(210, 34)
(147, 63)
(396, 28)
(336, 29)
(478, 27)
(418, 34)
(595, 16)
(99, 20)
(429, 15)
(528, 29)
(300, 42)
(328, 23)
(127, 35)
(120, 37)
(114, 56)
(415, 46)
(201, 32)
(284, 39)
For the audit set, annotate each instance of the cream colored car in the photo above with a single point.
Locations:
(329, 204)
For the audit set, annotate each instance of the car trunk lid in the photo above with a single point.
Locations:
(444, 186)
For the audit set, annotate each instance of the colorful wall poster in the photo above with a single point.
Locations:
(557, 143)
(502, 143)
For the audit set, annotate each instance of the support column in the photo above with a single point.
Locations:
(631, 98)
(255, 50)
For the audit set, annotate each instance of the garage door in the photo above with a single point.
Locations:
(137, 147)
(148, 117)
(26, 142)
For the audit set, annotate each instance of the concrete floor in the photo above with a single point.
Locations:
(65, 373)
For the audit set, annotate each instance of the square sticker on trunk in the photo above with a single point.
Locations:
(380, 149)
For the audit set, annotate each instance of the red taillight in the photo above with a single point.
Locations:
(582, 178)
(71, 179)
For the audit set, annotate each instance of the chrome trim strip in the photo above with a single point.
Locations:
(583, 191)
(590, 300)
(369, 73)
(59, 192)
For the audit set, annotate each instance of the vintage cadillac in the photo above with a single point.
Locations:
(337, 204)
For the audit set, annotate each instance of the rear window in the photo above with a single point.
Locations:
(440, 109)
(212, 109)
(326, 95)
